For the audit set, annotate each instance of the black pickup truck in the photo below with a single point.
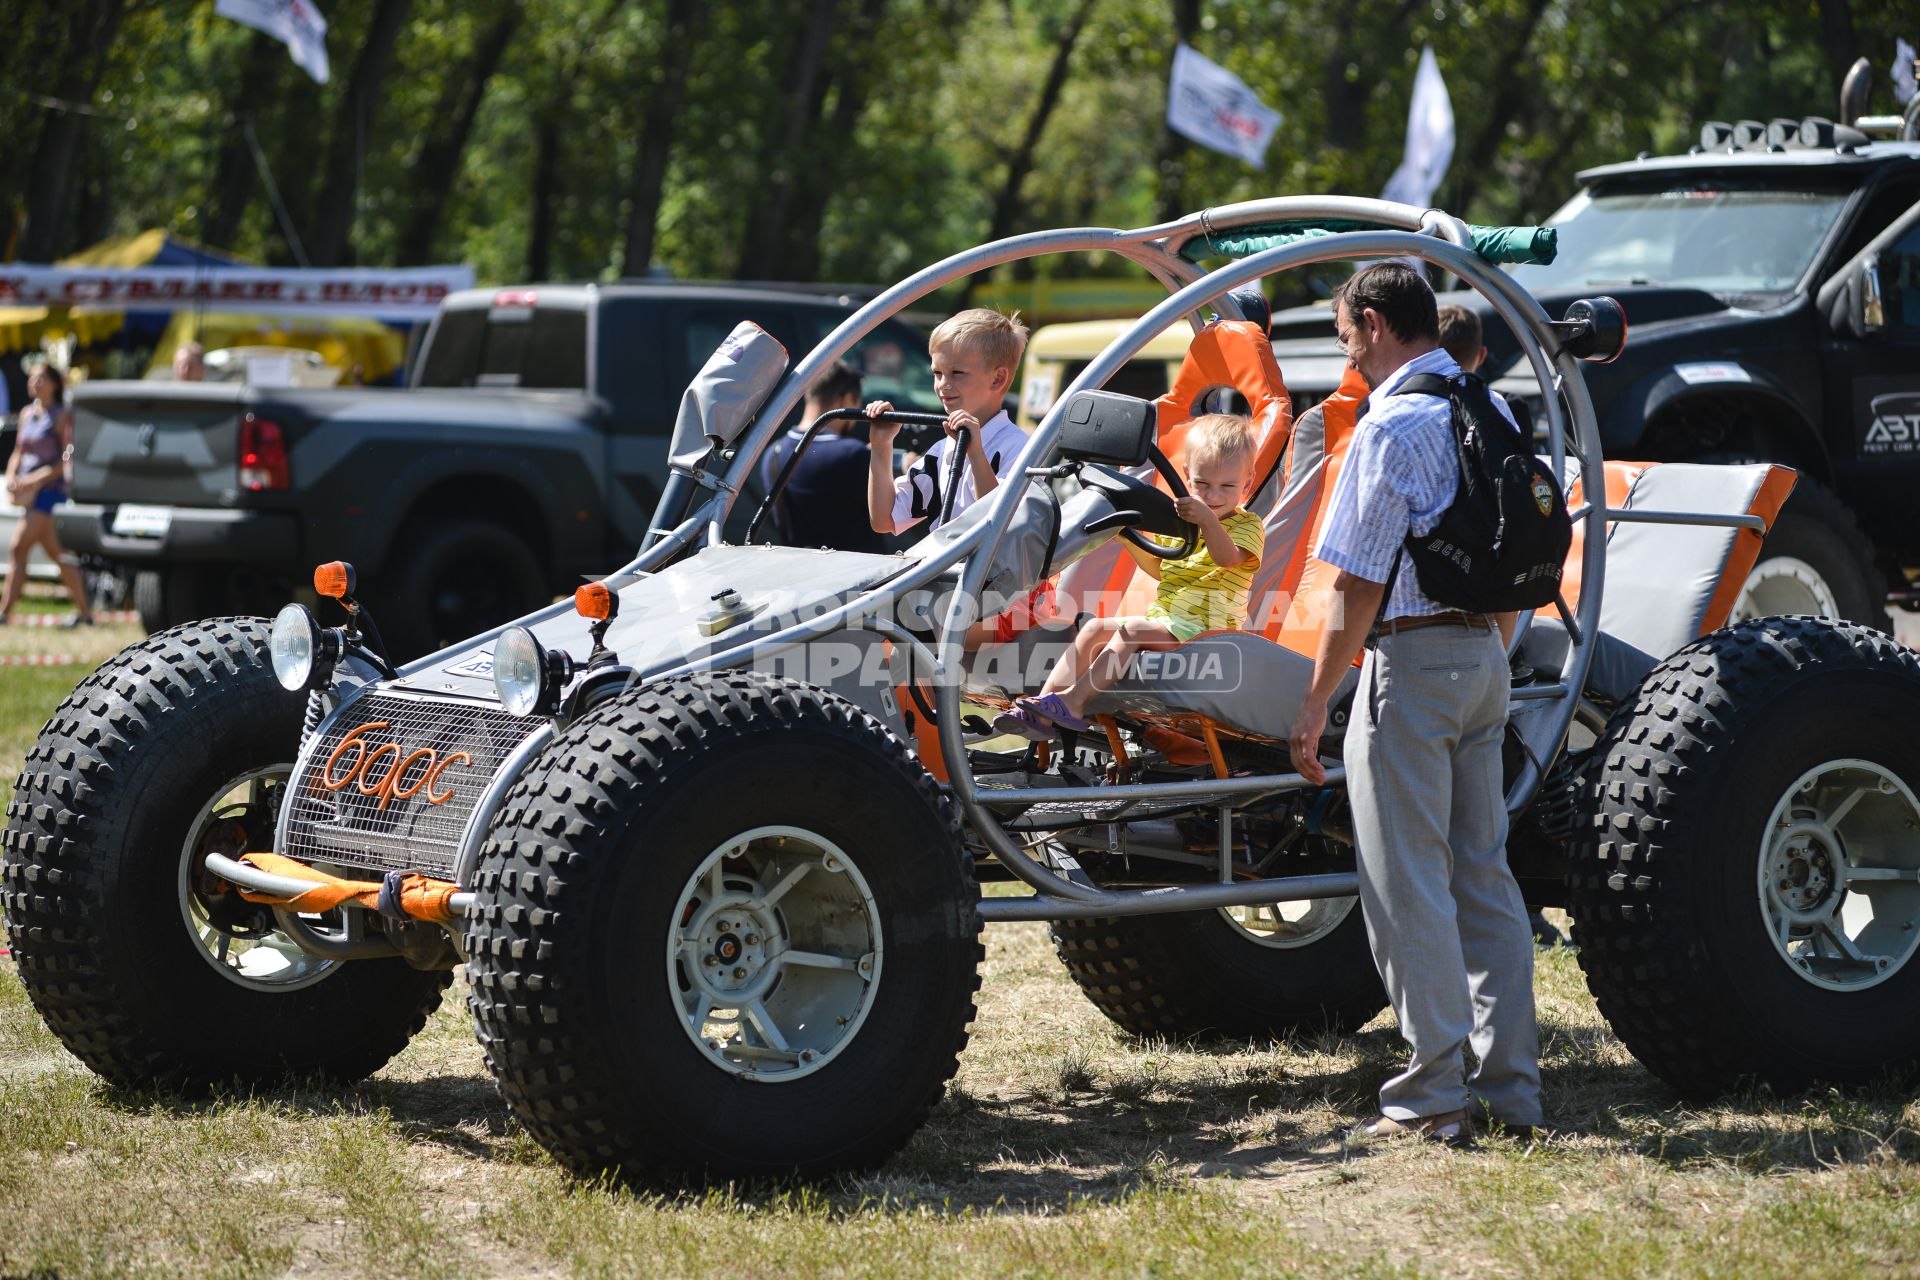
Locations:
(1773, 288)
(529, 451)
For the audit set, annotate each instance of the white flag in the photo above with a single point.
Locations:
(294, 23)
(1903, 82)
(1429, 138)
(1211, 105)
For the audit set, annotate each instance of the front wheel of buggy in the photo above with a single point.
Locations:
(1746, 900)
(147, 969)
(725, 926)
(1248, 973)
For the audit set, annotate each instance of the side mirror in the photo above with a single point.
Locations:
(1872, 317)
(1595, 329)
(1104, 427)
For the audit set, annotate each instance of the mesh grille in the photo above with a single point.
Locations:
(345, 824)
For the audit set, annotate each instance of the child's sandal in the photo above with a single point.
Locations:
(1050, 707)
(1019, 721)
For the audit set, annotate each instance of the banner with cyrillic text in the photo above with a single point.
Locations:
(405, 293)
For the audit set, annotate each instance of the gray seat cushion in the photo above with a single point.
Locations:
(1660, 578)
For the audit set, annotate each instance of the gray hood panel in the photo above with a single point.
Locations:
(657, 627)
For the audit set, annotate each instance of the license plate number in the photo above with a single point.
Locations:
(142, 522)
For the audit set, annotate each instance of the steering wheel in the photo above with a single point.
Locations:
(1141, 509)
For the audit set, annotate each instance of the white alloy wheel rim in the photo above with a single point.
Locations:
(1284, 925)
(1781, 585)
(272, 961)
(773, 954)
(1839, 879)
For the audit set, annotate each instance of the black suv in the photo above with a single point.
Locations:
(1773, 288)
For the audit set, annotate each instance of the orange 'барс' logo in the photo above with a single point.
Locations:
(391, 784)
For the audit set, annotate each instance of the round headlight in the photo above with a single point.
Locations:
(519, 671)
(301, 655)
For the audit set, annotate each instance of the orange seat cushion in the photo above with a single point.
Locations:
(1308, 593)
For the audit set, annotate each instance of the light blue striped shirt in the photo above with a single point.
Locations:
(1400, 476)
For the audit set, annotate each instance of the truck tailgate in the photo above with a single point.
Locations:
(168, 444)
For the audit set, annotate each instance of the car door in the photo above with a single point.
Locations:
(1873, 391)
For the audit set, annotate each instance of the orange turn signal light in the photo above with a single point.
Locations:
(593, 601)
(334, 580)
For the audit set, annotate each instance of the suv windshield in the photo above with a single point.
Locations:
(1726, 234)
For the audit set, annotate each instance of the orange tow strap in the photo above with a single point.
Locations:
(421, 897)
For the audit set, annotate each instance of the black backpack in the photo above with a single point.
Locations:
(1503, 543)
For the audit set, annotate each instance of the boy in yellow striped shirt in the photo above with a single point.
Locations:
(1206, 591)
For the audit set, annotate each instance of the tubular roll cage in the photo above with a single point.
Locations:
(1405, 231)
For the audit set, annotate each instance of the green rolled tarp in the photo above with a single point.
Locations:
(1531, 245)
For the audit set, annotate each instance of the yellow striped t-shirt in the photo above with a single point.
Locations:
(1198, 595)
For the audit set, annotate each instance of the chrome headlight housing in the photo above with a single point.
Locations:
(526, 677)
(304, 653)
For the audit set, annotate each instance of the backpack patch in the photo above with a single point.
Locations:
(1502, 545)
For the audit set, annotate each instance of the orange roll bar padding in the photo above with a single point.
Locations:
(421, 897)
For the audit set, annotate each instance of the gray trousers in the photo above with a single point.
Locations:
(1448, 928)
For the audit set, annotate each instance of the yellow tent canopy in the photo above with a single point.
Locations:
(136, 250)
(342, 341)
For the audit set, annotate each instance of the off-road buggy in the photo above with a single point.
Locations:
(710, 839)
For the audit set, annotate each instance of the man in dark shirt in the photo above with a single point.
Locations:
(825, 502)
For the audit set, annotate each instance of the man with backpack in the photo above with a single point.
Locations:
(1444, 915)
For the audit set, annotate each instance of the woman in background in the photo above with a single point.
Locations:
(36, 482)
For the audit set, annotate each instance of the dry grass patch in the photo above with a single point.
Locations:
(1064, 1147)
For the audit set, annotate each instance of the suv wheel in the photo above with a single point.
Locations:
(451, 579)
(1816, 561)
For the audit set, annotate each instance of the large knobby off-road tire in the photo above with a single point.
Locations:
(725, 926)
(139, 964)
(1746, 896)
(1250, 973)
(1816, 560)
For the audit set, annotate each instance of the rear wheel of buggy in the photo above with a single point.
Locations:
(1246, 973)
(725, 925)
(1747, 897)
(150, 972)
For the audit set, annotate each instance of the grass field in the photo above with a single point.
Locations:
(1063, 1149)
